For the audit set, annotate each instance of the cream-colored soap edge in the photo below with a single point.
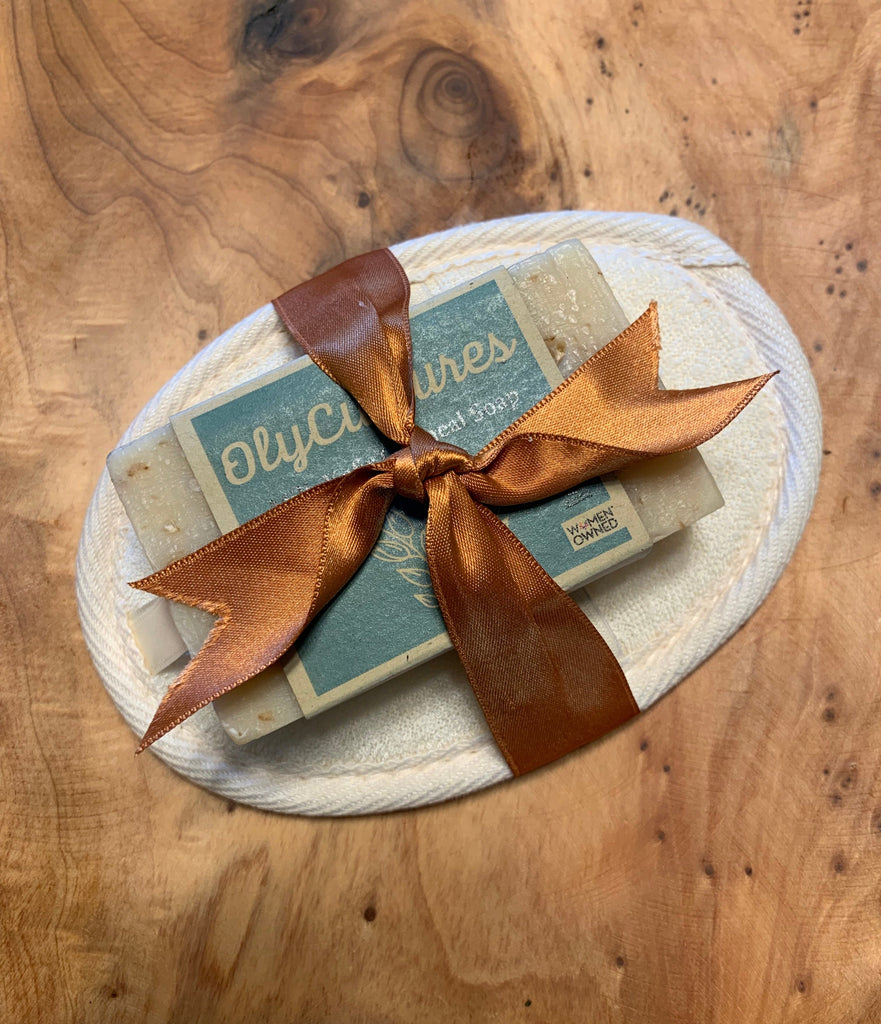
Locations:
(671, 492)
(171, 518)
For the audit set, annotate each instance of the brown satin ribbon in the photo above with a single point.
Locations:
(544, 677)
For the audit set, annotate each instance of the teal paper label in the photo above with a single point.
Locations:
(478, 364)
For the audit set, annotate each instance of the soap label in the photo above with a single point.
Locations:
(478, 364)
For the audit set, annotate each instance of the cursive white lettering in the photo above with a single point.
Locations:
(238, 458)
(230, 464)
(315, 433)
(475, 359)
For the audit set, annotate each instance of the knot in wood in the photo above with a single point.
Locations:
(451, 124)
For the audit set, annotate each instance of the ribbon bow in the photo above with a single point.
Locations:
(544, 677)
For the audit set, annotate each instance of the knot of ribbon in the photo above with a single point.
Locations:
(424, 458)
(544, 677)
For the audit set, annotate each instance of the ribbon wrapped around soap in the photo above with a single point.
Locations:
(545, 679)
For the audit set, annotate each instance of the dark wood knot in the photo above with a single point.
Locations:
(450, 120)
(290, 30)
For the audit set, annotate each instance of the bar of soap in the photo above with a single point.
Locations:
(157, 638)
(576, 313)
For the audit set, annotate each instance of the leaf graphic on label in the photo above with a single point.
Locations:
(418, 577)
(398, 524)
(390, 549)
(429, 600)
(399, 540)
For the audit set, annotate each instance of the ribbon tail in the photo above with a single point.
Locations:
(266, 581)
(544, 677)
(607, 415)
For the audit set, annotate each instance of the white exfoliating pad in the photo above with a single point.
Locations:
(416, 741)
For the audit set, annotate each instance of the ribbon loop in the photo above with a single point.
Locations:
(353, 322)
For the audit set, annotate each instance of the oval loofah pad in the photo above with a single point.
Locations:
(412, 742)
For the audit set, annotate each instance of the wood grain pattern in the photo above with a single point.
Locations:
(166, 168)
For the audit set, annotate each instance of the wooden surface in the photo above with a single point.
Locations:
(167, 168)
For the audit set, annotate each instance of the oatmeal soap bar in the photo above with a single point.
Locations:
(575, 313)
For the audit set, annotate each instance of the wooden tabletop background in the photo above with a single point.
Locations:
(167, 168)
